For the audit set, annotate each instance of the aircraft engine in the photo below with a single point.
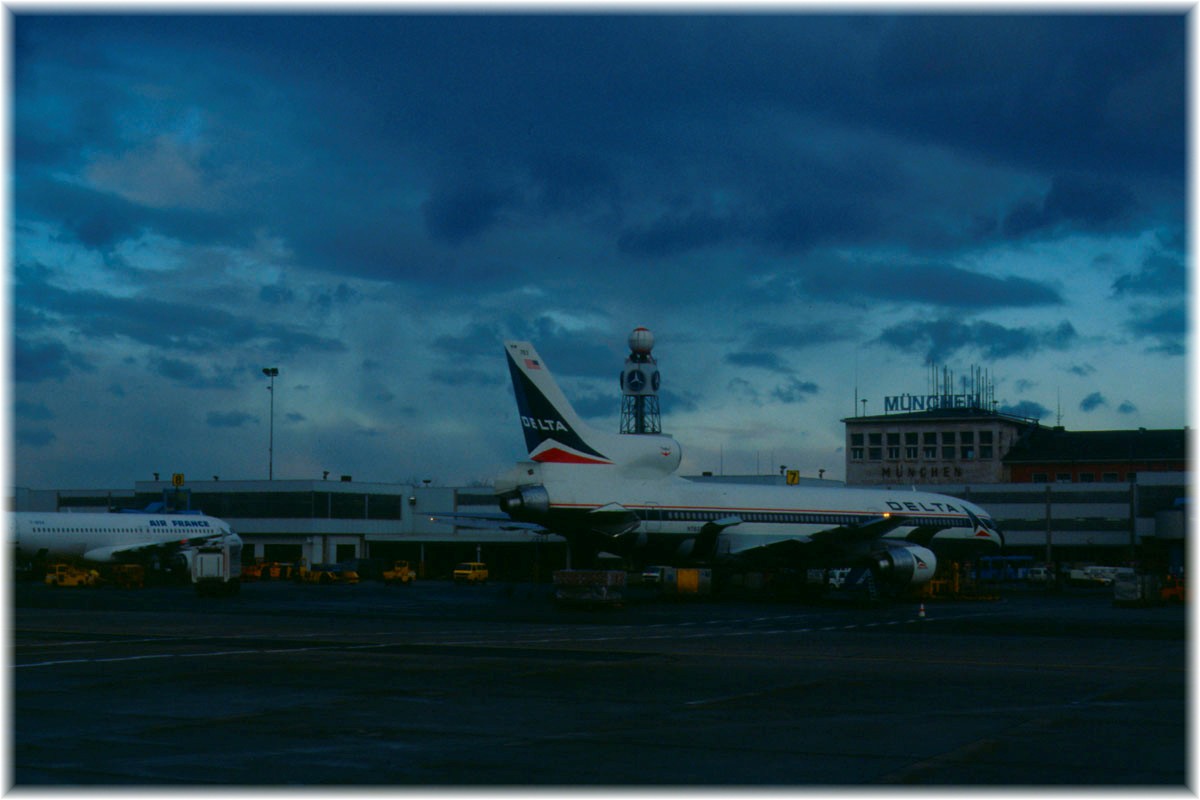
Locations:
(904, 565)
(526, 501)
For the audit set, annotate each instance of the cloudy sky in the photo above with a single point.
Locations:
(797, 205)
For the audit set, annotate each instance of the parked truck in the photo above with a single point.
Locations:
(217, 566)
(475, 572)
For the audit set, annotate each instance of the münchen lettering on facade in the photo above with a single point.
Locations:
(930, 402)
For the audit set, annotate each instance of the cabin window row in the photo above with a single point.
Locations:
(89, 530)
(757, 516)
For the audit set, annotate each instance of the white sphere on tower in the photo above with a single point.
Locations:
(641, 341)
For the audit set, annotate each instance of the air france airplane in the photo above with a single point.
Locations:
(621, 494)
(113, 538)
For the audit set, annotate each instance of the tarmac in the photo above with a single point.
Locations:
(494, 687)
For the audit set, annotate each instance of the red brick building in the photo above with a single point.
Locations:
(1055, 455)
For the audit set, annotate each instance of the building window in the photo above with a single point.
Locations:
(930, 445)
(875, 439)
(985, 437)
(1087, 477)
(875, 453)
(1110, 477)
(910, 445)
(947, 453)
(948, 437)
(1039, 477)
(985, 451)
(893, 446)
(1062, 477)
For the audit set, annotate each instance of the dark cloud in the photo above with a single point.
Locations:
(1092, 402)
(677, 401)
(453, 216)
(861, 283)
(1161, 274)
(675, 234)
(1105, 90)
(1127, 408)
(36, 361)
(744, 388)
(36, 412)
(229, 419)
(191, 375)
(457, 376)
(764, 336)
(597, 405)
(276, 295)
(795, 391)
(941, 339)
(567, 352)
(1025, 408)
(102, 220)
(762, 359)
(1168, 326)
(1076, 202)
(162, 324)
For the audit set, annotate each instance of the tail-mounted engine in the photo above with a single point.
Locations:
(525, 502)
(904, 565)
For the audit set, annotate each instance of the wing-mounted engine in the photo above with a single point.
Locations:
(903, 566)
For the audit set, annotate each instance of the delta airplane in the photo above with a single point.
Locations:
(620, 493)
(113, 538)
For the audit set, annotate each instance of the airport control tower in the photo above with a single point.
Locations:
(639, 386)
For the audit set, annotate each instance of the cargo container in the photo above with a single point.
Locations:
(589, 587)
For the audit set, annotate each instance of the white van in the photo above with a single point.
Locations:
(1040, 575)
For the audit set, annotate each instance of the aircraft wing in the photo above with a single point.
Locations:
(120, 552)
(828, 540)
(613, 519)
(862, 532)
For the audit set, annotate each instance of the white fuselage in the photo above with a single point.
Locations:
(671, 505)
(105, 537)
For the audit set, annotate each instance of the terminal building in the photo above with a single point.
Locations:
(1111, 497)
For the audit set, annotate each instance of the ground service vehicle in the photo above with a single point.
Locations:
(400, 573)
(217, 566)
(71, 575)
(1041, 576)
(325, 574)
(471, 572)
(1173, 590)
(128, 576)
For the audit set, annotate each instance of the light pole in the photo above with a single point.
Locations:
(271, 372)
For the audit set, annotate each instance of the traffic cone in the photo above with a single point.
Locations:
(921, 611)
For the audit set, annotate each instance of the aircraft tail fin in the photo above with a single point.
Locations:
(553, 431)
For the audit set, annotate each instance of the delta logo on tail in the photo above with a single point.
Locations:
(547, 435)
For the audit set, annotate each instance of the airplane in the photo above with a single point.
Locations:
(157, 539)
(619, 493)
